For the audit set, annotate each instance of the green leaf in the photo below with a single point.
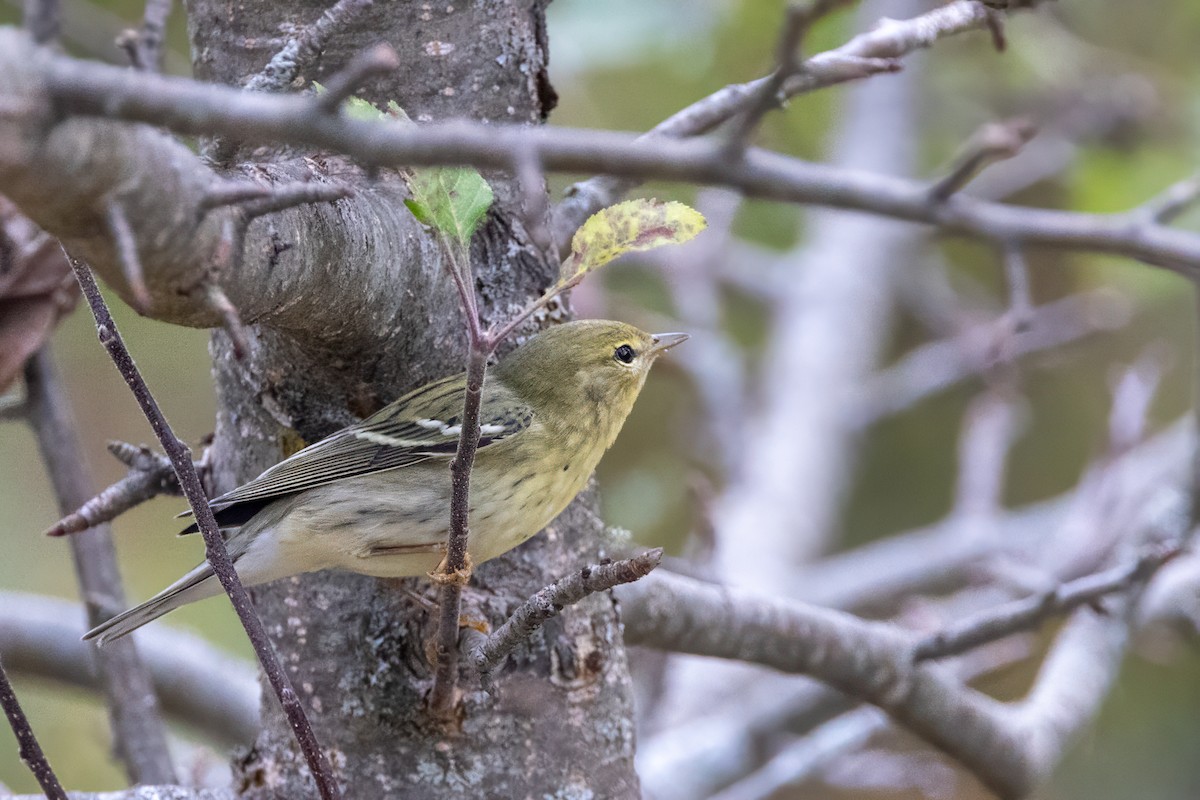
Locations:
(358, 108)
(451, 200)
(632, 226)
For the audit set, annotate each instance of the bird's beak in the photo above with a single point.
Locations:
(665, 341)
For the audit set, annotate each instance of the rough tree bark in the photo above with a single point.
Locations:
(558, 722)
(350, 307)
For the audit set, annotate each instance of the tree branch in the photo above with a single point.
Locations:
(993, 142)
(188, 107)
(145, 45)
(1009, 748)
(491, 651)
(43, 19)
(214, 544)
(150, 475)
(1020, 615)
(28, 748)
(138, 730)
(867, 54)
(197, 684)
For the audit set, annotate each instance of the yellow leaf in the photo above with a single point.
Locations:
(628, 227)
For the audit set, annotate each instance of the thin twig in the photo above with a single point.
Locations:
(43, 20)
(990, 426)
(300, 51)
(934, 367)
(296, 194)
(138, 730)
(378, 60)
(232, 192)
(131, 263)
(145, 45)
(1133, 394)
(535, 201)
(1177, 199)
(993, 142)
(797, 20)
(1027, 613)
(455, 571)
(548, 602)
(868, 53)
(1016, 274)
(28, 747)
(200, 109)
(995, 26)
(12, 408)
(150, 475)
(239, 336)
(285, 66)
(214, 544)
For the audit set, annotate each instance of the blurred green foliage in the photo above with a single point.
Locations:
(626, 65)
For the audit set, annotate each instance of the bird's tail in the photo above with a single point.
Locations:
(198, 584)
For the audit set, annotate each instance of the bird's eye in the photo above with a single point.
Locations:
(624, 354)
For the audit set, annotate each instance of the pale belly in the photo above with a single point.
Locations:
(366, 525)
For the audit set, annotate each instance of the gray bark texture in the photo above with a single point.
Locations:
(348, 305)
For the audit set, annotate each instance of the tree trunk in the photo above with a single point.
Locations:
(558, 719)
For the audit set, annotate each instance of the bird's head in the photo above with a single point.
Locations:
(589, 367)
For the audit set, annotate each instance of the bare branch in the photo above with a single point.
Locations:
(218, 556)
(861, 658)
(298, 193)
(1177, 199)
(286, 65)
(867, 54)
(377, 60)
(993, 142)
(796, 22)
(150, 475)
(12, 408)
(131, 264)
(145, 45)
(1009, 749)
(28, 748)
(233, 325)
(990, 425)
(455, 571)
(548, 602)
(43, 20)
(822, 745)
(936, 366)
(139, 733)
(188, 107)
(1027, 613)
(196, 683)
(228, 193)
(1016, 274)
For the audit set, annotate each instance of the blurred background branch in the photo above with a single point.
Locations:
(910, 422)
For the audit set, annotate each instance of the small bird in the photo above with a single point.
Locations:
(374, 498)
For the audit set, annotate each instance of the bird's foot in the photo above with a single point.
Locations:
(444, 577)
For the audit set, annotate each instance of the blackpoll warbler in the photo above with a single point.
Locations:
(374, 497)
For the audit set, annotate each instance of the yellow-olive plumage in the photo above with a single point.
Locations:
(374, 498)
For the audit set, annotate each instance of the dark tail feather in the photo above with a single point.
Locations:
(196, 585)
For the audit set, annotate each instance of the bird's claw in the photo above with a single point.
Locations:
(443, 577)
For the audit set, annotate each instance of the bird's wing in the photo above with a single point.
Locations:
(415, 428)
